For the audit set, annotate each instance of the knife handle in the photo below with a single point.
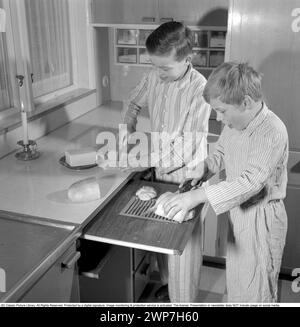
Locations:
(187, 186)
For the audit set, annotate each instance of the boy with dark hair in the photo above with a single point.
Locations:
(253, 149)
(172, 92)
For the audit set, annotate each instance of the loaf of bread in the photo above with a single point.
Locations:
(84, 190)
(146, 193)
(80, 157)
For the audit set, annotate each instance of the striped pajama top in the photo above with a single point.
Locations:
(253, 158)
(174, 107)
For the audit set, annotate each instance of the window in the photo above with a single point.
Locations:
(47, 48)
(49, 45)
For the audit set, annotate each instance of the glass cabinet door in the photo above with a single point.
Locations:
(127, 55)
(127, 36)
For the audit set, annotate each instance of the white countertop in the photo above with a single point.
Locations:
(39, 187)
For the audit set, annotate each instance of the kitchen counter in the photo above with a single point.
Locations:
(39, 187)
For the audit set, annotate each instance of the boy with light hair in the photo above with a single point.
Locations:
(253, 150)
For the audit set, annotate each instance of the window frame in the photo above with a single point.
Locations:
(19, 56)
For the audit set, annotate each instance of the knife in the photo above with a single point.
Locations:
(187, 185)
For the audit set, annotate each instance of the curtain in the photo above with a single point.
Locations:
(50, 45)
(5, 89)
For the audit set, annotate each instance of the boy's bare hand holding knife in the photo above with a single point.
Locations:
(187, 197)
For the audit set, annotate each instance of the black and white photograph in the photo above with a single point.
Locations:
(149, 156)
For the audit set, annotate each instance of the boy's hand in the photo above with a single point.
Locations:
(195, 173)
(174, 203)
(176, 206)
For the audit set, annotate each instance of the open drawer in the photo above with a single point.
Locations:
(109, 226)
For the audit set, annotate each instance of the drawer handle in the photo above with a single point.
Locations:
(96, 272)
(166, 19)
(71, 260)
(148, 19)
(145, 268)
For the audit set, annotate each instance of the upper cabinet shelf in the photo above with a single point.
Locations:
(208, 47)
(155, 12)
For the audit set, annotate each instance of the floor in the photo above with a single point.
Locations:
(213, 290)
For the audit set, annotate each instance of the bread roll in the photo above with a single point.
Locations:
(85, 190)
(146, 193)
(178, 216)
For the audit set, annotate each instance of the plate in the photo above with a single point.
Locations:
(63, 162)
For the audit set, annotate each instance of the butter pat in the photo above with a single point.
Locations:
(80, 157)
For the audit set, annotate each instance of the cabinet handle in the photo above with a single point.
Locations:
(148, 19)
(20, 79)
(71, 260)
(144, 269)
(166, 19)
(96, 272)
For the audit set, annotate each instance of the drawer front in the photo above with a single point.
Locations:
(59, 284)
(110, 280)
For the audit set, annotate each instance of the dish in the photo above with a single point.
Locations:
(63, 162)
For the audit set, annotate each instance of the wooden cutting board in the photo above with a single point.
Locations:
(109, 226)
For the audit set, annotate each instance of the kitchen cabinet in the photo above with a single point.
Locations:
(114, 266)
(291, 256)
(191, 12)
(111, 273)
(60, 284)
(208, 47)
(36, 253)
(123, 12)
(215, 227)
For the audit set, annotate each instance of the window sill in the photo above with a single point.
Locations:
(11, 119)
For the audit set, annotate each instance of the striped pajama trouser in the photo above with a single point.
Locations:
(255, 246)
(183, 272)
